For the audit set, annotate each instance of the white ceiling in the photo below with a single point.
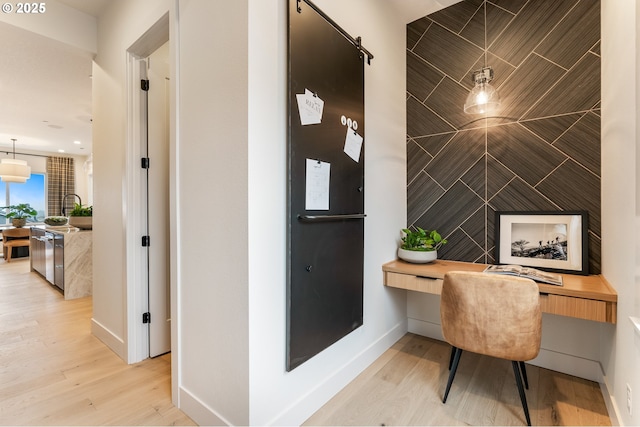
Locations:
(45, 85)
(45, 88)
(410, 10)
(90, 7)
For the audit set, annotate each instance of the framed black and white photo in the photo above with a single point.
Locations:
(552, 241)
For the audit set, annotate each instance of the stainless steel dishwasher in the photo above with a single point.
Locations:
(58, 260)
(48, 256)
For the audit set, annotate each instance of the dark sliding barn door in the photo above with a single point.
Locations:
(325, 185)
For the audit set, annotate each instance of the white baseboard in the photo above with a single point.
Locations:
(198, 411)
(565, 363)
(426, 329)
(307, 405)
(111, 340)
(609, 401)
(569, 364)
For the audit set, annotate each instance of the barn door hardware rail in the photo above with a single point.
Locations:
(357, 42)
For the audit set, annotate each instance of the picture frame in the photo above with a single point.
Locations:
(552, 241)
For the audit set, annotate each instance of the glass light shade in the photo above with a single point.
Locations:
(14, 170)
(483, 98)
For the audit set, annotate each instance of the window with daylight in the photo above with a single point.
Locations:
(31, 192)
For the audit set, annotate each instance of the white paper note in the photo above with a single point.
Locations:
(310, 107)
(317, 185)
(353, 144)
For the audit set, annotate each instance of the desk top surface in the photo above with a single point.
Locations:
(590, 287)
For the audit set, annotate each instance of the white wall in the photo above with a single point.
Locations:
(122, 24)
(232, 166)
(213, 191)
(620, 350)
(278, 397)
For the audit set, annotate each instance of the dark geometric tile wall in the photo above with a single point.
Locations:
(540, 152)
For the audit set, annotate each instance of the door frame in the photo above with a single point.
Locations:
(137, 335)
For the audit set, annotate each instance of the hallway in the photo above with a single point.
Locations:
(53, 371)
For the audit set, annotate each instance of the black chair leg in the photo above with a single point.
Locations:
(523, 371)
(523, 397)
(452, 372)
(453, 353)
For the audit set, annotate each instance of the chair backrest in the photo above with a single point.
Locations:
(491, 314)
(15, 233)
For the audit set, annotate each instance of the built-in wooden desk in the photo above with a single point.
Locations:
(583, 297)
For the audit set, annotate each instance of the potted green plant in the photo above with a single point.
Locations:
(20, 213)
(81, 217)
(419, 245)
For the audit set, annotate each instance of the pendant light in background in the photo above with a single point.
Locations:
(483, 98)
(14, 170)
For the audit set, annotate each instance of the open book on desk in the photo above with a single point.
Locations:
(527, 272)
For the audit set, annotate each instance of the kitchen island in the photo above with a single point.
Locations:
(63, 256)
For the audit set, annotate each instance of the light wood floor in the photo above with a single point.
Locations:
(405, 387)
(54, 372)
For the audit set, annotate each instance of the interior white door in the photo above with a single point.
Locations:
(158, 202)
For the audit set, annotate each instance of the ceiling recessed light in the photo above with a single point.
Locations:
(61, 151)
(77, 142)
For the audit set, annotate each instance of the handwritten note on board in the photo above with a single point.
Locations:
(353, 145)
(310, 107)
(317, 185)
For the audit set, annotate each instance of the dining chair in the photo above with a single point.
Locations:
(14, 238)
(494, 315)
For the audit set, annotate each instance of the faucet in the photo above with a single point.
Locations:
(65, 198)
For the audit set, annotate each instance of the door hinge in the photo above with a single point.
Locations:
(146, 317)
(146, 241)
(144, 162)
(144, 85)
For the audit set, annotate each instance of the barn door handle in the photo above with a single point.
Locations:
(341, 217)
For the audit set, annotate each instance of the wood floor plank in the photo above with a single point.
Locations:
(481, 399)
(589, 410)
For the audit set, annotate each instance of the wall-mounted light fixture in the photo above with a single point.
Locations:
(14, 170)
(483, 98)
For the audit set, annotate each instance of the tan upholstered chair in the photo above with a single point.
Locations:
(13, 238)
(494, 315)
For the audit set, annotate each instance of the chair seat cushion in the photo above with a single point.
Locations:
(16, 243)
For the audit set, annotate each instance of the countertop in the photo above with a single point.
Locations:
(60, 228)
